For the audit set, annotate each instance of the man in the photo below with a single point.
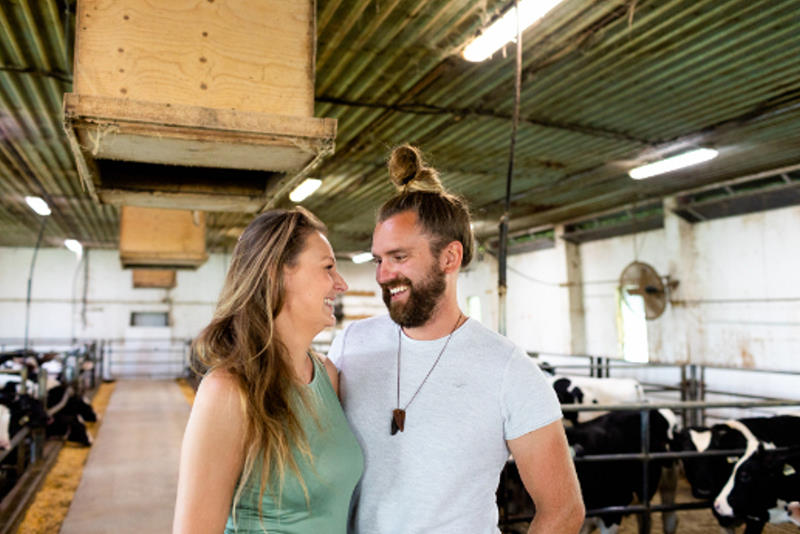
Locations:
(436, 400)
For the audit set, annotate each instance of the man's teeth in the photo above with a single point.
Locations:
(398, 289)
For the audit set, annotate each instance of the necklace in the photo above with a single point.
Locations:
(399, 414)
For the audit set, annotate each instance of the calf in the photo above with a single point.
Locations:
(763, 480)
(614, 483)
(591, 390)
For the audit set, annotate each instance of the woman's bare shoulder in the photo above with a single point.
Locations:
(221, 388)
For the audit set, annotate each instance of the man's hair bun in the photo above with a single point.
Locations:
(408, 171)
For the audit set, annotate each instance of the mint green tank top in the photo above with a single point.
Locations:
(337, 467)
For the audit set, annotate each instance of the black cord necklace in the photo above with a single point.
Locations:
(399, 414)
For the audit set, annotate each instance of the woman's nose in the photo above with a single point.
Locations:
(340, 285)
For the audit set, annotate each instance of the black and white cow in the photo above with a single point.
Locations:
(23, 410)
(793, 509)
(614, 483)
(69, 414)
(763, 481)
(592, 390)
(709, 475)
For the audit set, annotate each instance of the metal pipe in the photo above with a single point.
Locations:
(689, 405)
(502, 285)
(24, 377)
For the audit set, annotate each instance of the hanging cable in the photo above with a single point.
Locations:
(503, 244)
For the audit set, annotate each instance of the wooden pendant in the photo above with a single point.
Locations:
(398, 420)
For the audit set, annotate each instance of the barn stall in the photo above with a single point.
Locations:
(152, 154)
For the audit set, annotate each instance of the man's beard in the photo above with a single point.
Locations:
(422, 298)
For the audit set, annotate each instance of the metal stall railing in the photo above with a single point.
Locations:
(146, 358)
(646, 508)
(27, 459)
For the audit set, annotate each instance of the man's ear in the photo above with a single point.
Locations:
(451, 256)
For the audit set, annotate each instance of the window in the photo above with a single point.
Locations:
(474, 307)
(631, 327)
(149, 319)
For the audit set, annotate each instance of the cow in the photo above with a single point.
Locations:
(793, 510)
(708, 475)
(590, 390)
(24, 410)
(614, 483)
(69, 412)
(5, 421)
(763, 480)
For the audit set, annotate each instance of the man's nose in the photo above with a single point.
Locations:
(383, 273)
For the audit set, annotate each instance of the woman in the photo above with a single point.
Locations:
(267, 447)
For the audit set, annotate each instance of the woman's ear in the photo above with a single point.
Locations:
(451, 256)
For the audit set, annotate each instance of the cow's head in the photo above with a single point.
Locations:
(568, 393)
(759, 480)
(27, 411)
(707, 475)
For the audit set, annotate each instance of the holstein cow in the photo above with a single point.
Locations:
(793, 509)
(614, 483)
(709, 475)
(764, 481)
(24, 410)
(5, 420)
(591, 390)
(69, 413)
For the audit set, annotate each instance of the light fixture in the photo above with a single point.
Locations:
(504, 29)
(38, 205)
(303, 190)
(363, 257)
(74, 246)
(673, 163)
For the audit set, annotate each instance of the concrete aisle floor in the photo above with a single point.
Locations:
(131, 475)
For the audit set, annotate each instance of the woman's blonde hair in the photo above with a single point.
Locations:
(241, 339)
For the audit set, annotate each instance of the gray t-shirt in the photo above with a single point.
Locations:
(440, 474)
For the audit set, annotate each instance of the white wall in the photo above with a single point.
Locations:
(602, 263)
(738, 302)
(737, 305)
(58, 289)
(537, 316)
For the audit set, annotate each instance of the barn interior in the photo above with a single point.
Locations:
(138, 139)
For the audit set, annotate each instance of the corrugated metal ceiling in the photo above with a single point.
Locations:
(605, 84)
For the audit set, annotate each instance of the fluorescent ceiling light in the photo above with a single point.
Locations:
(38, 205)
(504, 29)
(74, 246)
(693, 157)
(363, 257)
(303, 190)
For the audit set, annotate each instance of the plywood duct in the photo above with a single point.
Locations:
(153, 278)
(197, 85)
(171, 239)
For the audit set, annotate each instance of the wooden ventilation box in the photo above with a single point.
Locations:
(199, 105)
(161, 238)
(153, 278)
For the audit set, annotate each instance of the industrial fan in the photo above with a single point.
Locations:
(642, 279)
